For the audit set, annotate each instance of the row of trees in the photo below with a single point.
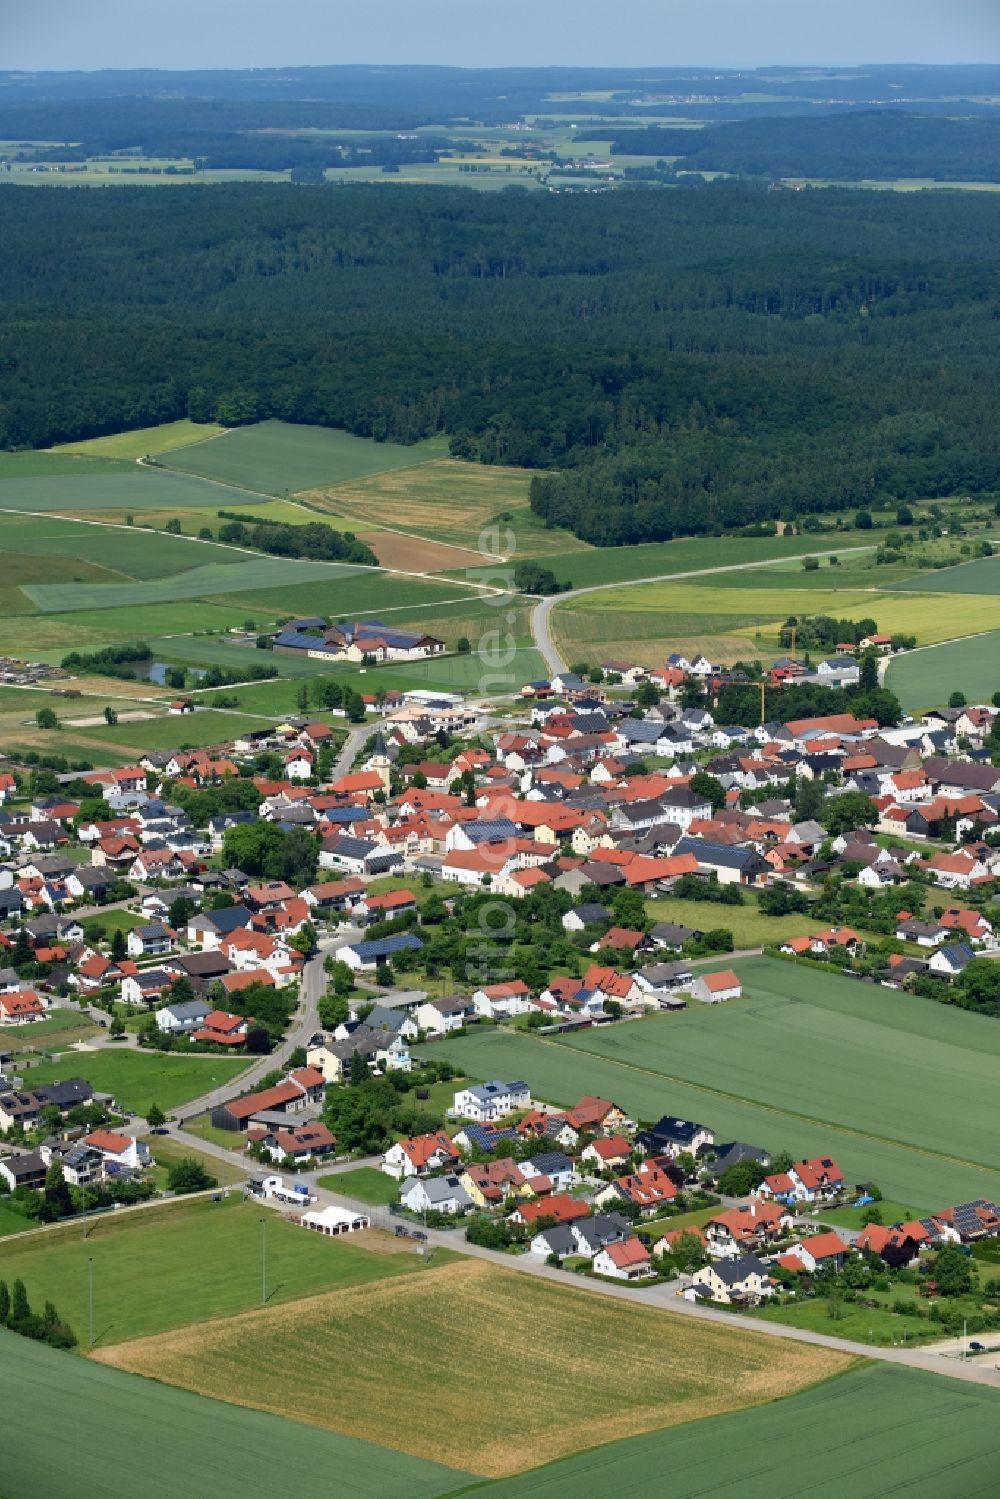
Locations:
(45, 1327)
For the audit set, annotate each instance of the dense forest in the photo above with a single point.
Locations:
(688, 361)
(880, 144)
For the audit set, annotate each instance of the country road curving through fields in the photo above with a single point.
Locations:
(541, 633)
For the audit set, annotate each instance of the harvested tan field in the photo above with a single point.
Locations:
(416, 554)
(488, 1369)
(444, 498)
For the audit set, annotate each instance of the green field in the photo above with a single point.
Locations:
(749, 927)
(900, 1090)
(144, 1440)
(141, 442)
(875, 1431)
(981, 576)
(245, 574)
(12, 1222)
(278, 458)
(64, 1026)
(365, 1183)
(620, 564)
(133, 551)
(126, 486)
(926, 679)
(138, 1078)
(184, 1262)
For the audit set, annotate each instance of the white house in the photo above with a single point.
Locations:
(743, 1280)
(435, 1194)
(626, 1260)
(439, 1016)
(492, 1100)
(712, 988)
(500, 1001)
(119, 1150)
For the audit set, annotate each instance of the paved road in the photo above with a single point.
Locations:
(540, 614)
(304, 1023)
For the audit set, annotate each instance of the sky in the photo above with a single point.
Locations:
(86, 34)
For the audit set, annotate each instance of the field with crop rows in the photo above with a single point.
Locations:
(926, 679)
(166, 1441)
(981, 576)
(894, 1431)
(279, 457)
(364, 1362)
(196, 582)
(900, 1090)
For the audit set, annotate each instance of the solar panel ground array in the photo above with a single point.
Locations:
(900, 1090)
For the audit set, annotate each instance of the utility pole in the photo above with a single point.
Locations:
(965, 1346)
(263, 1262)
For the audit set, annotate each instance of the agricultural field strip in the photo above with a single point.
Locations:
(560, 1073)
(382, 1343)
(926, 676)
(914, 1435)
(768, 1034)
(228, 1451)
(202, 582)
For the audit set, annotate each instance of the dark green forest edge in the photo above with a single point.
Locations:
(689, 362)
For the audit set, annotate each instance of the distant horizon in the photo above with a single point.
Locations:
(65, 36)
(513, 67)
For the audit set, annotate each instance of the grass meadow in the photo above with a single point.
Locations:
(365, 1184)
(927, 678)
(150, 1440)
(282, 458)
(167, 1266)
(366, 1361)
(876, 1430)
(900, 1090)
(142, 442)
(138, 1078)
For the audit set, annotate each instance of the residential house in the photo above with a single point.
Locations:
(712, 988)
(626, 1259)
(420, 1155)
(491, 1100)
(743, 1281)
(437, 1194)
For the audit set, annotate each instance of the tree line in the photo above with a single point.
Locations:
(670, 363)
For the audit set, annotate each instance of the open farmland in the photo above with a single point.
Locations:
(169, 1442)
(244, 575)
(895, 1431)
(900, 1090)
(927, 678)
(747, 618)
(365, 1361)
(281, 458)
(138, 1078)
(126, 486)
(981, 576)
(143, 442)
(150, 1265)
(445, 499)
(596, 566)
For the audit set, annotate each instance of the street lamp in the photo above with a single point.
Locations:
(90, 1301)
(263, 1262)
